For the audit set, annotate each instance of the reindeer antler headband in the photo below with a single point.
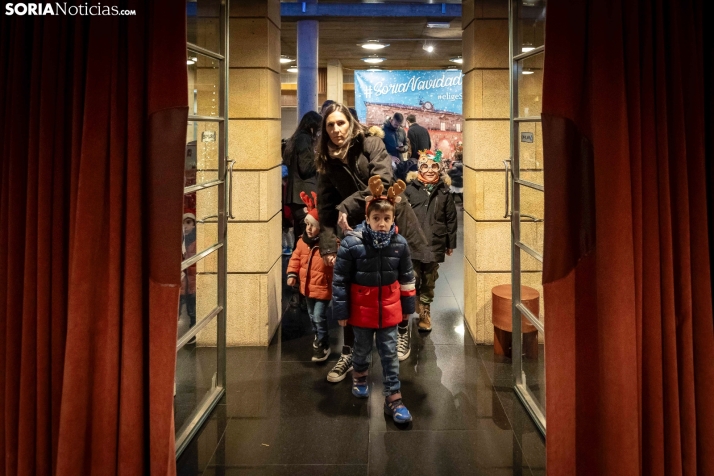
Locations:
(311, 203)
(377, 188)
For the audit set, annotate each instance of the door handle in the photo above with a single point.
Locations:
(507, 165)
(229, 173)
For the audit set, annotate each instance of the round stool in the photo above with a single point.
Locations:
(502, 320)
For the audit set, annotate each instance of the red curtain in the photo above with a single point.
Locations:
(627, 283)
(93, 117)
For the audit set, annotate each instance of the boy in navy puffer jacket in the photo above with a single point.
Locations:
(372, 287)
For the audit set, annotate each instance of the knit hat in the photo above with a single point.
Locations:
(311, 204)
(377, 188)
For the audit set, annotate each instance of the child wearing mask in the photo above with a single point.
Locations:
(307, 267)
(373, 287)
(429, 195)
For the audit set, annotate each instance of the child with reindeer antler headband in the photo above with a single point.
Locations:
(315, 278)
(373, 287)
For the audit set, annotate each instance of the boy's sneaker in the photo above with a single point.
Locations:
(344, 365)
(404, 347)
(321, 352)
(315, 342)
(360, 387)
(397, 411)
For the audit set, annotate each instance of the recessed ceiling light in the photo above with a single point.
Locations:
(373, 59)
(457, 59)
(190, 61)
(285, 59)
(526, 71)
(428, 48)
(526, 49)
(374, 69)
(292, 69)
(374, 45)
(438, 24)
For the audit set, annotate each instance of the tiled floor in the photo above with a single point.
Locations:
(281, 417)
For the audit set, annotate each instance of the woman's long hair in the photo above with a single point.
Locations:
(309, 124)
(357, 132)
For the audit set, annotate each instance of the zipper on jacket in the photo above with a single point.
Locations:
(379, 304)
(307, 274)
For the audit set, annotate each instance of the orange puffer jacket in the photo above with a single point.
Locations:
(307, 265)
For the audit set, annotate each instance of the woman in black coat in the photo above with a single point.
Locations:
(348, 155)
(299, 157)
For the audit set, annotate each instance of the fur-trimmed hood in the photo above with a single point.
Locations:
(445, 178)
(376, 131)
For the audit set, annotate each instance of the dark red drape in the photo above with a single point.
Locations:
(93, 117)
(627, 281)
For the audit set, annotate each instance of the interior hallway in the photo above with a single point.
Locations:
(280, 416)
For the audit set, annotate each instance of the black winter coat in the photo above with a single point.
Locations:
(343, 188)
(358, 262)
(302, 173)
(419, 138)
(456, 172)
(436, 212)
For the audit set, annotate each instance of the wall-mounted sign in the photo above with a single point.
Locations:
(527, 137)
(208, 136)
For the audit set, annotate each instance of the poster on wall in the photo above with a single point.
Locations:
(435, 97)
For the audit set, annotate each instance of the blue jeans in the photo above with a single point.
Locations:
(387, 348)
(317, 310)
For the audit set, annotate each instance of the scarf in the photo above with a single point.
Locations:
(310, 242)
(380, 239)
(423, 179)
(340, 152)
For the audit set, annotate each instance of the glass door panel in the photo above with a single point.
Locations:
(200, 346)
(527, 27)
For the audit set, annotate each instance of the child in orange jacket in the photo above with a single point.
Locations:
(307, 267)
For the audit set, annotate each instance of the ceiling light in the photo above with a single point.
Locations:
(527, 71)
(438, 24)
(374, 69)
(373, 59)
(526, 49)
(284, 59)
(428, 48)
(190, 61)
(374, 45)
(457, 59)
(292, 69)
(452, 68)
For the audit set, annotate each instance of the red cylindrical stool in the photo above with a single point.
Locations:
(502, 320)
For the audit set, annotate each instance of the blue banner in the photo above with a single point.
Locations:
(435, 97)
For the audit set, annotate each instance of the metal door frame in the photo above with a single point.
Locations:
(224, 184)
(518, 309)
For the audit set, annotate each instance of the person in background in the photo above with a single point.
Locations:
(353, 111)
(314, 277)
(418, 137)
(188, 283)
(325, 105)
(299, 158)
(456, 173)
(395, 139)
(373, 287)
(428, 194)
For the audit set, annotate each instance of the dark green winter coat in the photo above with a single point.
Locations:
(436, 212)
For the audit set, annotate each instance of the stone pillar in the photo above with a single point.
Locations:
(335, 77)
(487, 235)
(307, 38)
(254, 236)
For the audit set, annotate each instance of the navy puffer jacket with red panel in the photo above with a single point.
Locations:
(372, 287)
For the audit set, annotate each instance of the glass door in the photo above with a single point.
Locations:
(527, 48)
(201, 342)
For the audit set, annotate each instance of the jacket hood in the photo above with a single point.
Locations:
(444, 178)
(376, 131)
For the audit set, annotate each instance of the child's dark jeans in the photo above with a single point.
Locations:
(317, 309)
(387, 348)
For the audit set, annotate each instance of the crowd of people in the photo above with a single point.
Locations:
(374, 215)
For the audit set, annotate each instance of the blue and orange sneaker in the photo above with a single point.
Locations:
(397, 411)
(360, 387)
